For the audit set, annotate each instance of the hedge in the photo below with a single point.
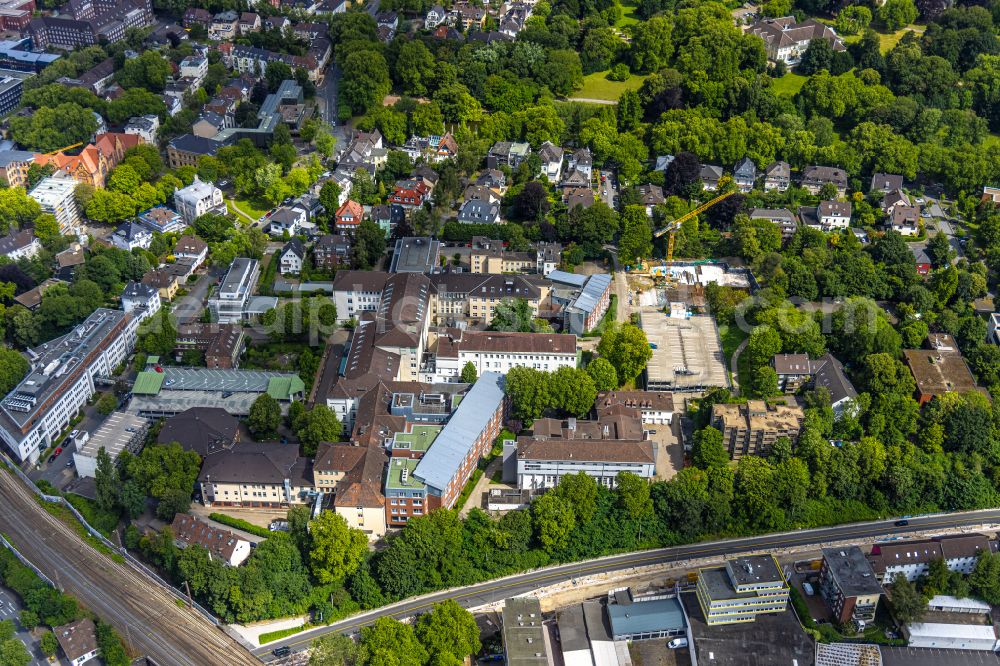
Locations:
(240, 524)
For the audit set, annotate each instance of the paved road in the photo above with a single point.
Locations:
(10, 609)
(145, 614)
(484, 593)
(190, 307)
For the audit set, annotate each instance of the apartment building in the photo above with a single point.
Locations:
(474, 298)
(14, 165)
(222, 344)
(742, 589)
(197, 199)
(61, 380)
(191, 249)
(87, 23)
(815, 177)
(652, 407)
(229, 303)
(56, 196)
(751, 429)
(140, 299)
(912, 558)
(256, 476)
(466, 438)
(849, 585)
(353, 475)
(543, 463)
(497, 352)
(21, 244)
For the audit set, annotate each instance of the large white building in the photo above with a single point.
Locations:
(197, 199)
(56, 196)
(229, 303)
(355, 292)
(954, 624)
(61, 380)
(142, 300)
(912, 558)
(493, 351)
(542, 463)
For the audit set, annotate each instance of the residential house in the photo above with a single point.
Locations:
(431, 149)
(387, 20)
(507, 153)
(364, 151)
(584, 299)
(222, 345)
(331, 251)
(193, 67)
(291, 257)
(834, 215)
(783, 218)
(161, 219)
(249, 22)
(815, 177)
(921, 260)
(191, 249)
(575, 179)
(474, 298)
(777, 176)
(388, 217)
(131, 235)
(994, 335)
(892, 199)
(912, 559)
(355, 292)
(221, 544)
(208, 124)
(14, 165)
(650, 196)
(786, 41)
(578, 196)
(940, 369)
(277, 23)
(435, 17)
(196, 16)
(494, 179)
(494, 351)
(286, 220)
(197, 199)
(480, 193)
(21, 244)
(710, 176)
(469, 16)
(885, 183)
(796, 371)
(552, 160)
(78, 641)
(663, 163)
(581, 160)
(410, 193)
(165, 282)
(224, 26)
(479, 212)
(905, 220)
(752, 428)
(991, 195)
(140, 299)
(745, 174)
(348, 217)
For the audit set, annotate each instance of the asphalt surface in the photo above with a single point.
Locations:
(144, 613)
(10, 609)
(485, 593)
(189, 308)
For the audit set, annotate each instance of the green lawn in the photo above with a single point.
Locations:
(731, 337)
(249, 208)
(888, 41)
(789, 84)
(597, 86)
(628, 14)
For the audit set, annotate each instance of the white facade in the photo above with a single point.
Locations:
(994, 335)
(141, 300)
(145, 127)
(234, 293)
(56, 196)
(352, 302)
(130, 236)
(195, 67)
(291, 262)
(197, 199)
(952, 636)
(450, 369)
(538, 474)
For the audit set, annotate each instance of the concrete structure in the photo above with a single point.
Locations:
(638, 618)
(849, 585)
(61, 380)
(197, 199)
(752, 428)
(162, 219)
(56, 197)
(221, 344)
(742, 589)
(353, 474)
(119, 432)
(524, 636)
(687, 353)
(466, 438)
(587, 301)
(229, 303)
(221, 544)
(416, 255)
(78, 641)
(355, 292)
(175, 390)
(542, 463)
(493, 351)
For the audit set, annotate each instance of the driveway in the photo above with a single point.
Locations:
(669, 452)
(190, 307)
(61, 472)
(10, 610)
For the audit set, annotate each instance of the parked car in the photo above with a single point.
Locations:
(57, 451)
(52, 458)
(902, 523)
(74, 434)
(282, 651)
(808, 589)
(677, 643)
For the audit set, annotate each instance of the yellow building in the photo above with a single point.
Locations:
(742, 589)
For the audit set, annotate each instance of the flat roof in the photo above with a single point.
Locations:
(442, 461)
(852, 571)
(415, 255)
(115, 434)
(208, 379)
(688, 352)
(394, 477)
(571, 279)
(646, 617)
(907, 656)
(168, 402)
(523, 632)
(419, 438)
(239, 271)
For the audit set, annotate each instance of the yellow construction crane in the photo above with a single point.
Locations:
(674, 225)
(63, 149)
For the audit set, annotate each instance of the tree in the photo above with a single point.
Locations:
(107, 481)
(107, 403)
(532, 202)
(49, 644)
(818, 56)
(319, 424)
(334, 650)
(389, 642)
(896, 14)
(276, 72)
(708, 450)
(984, 581)
(14, 653)
(336, 549)
(633, 495)
(764, 343)
(636, 241)
(369, 245)
(364, 79)
(907, 604)
(652, 44)
(469, 372)
(16, 208)
(580, 490)
(554, 519)
(264, 417)
(13, 368)
(52, 128)
(627, 349)
(604, 374)
(449, 630)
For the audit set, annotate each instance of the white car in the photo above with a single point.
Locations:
(677, 643)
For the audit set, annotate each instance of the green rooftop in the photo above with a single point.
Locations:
(420, 439)
(285, 387)
(394, 480)
(152, 360)
(148, 382)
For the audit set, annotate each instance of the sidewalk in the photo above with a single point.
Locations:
(252, 632)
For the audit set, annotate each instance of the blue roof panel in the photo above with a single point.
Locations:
(646, 617)
(445, 456)
(568, 278)
(592, 292)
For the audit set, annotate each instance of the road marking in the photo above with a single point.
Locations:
(718, 548)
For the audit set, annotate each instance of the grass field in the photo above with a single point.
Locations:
(789, 84)
(598, 86)
(628, 15)
(248, 208)
(890, 40)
